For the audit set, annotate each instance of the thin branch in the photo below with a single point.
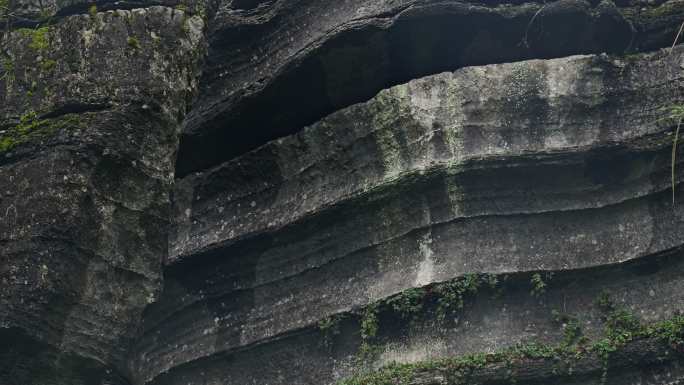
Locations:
(677, 37)
(529, 25)
(674, 158)
(679, 126)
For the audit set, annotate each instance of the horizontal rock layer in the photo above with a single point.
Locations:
(276, 66)
(491, 320)
(540, 165)
(450, 128)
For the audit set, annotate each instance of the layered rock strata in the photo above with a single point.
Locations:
(355, 192)
(90, 111)
(276, 66)
(546, 165)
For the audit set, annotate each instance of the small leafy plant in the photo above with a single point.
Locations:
(538, 284)
(329, 327)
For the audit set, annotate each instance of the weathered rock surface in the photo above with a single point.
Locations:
(307, 192)
(90, 112)
(491, 320)
(541, 165)
(276, 66)
(455, 130)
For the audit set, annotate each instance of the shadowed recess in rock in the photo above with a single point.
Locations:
(275, 92)
(596, 118)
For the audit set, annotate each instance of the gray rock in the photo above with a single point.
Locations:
(86, 174)
(281, 65)
(307, 192)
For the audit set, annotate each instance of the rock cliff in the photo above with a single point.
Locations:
(341, 192)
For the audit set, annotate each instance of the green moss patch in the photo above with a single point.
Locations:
(133, 42)
(31, 128)
(39, 37)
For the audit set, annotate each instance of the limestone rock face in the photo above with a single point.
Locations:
(91, 109)
(276, 66)
(358, 192)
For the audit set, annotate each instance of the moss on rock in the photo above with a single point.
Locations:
(31, 128)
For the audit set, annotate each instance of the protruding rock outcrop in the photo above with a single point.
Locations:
(90, 111)
(276, 66)
(356, 192)
(543, 165)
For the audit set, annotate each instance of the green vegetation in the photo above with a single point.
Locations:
(369, 323)
(620, 328)
(184, 24)
(451, 294)
(603, 301)
(572, 330)
(39, 42)
(92, 11)
(45, 14)
(669, 8)
(133, 42)
(669, 332)
(47, 64)
(439, 299)
(620, 324)
(7, 68)
(330, 327)
(369, 329)
(40, 38)
(31, 127)
(538, 284)
(4, 9)
(408, 303)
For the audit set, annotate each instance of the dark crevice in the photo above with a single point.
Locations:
(248, 5)
(26, 360)
(356, 64)
(74, 108)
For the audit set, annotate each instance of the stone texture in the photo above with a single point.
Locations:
(531, 115)
(541, 165)
(280, 65)
(491, 320)
(225, 192)
(87, 155)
